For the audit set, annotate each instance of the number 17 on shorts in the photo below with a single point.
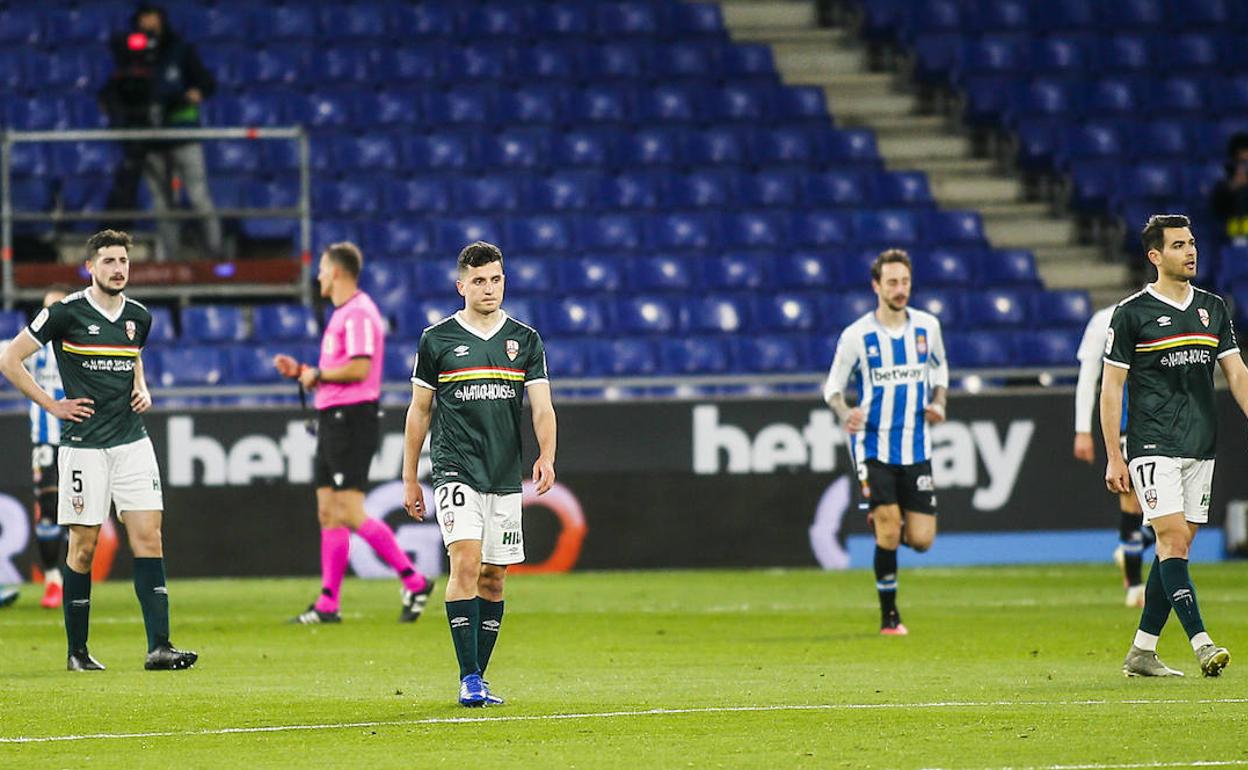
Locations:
(494, 520)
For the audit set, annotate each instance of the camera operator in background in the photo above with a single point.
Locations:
(1229, 199)
(158, 81)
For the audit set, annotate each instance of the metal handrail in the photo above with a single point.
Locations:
(302, 210)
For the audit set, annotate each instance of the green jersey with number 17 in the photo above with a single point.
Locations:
(479, 379)
(1170, 349)
(96, 352)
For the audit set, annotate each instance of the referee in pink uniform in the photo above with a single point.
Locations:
(347, 383)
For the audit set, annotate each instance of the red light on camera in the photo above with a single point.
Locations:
(136, 41)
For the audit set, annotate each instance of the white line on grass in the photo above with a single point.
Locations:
(622, 714)
(1126, 765)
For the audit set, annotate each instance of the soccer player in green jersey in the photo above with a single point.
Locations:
(1165, 341)
(479, 363)
(105, 456)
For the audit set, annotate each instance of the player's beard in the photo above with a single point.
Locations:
(110, 291)
(897, 305)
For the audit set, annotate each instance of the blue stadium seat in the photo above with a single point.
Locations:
(747, 60)
(21, 26)
(1114, 97)
(895, 227)
(774, 188)
(771, 353)
(660, 273)
(851, 146)
(436, 277)
(903, 188)
(343, 63)
(355, 20)
(162, 331)
(1047, 347)
(286, 22)
(1062, 55)
(442, 151)
(253, 364)
(626, 19)
(996, 55)
(11, 322)
(1192, 53)
(400, 357)
(723, 145)
(807, 270)
(463, 105)
(232, 156)
(526, 310)
(454, 234)
(589, 147)
(735, 271)
(416, 63)
(499, 19)
(376, 152)
(213, 323)
(273, 64)
(801, 103)
(286, 321)
(755, 230)
(566, 191)
(601, 104)
(696, 355)
(954, 227)
(576, 316)
(643, 314)
(838, 188)
(692, 19)
(627, 357)
(1093, 184)
(1161, 139)
(400, 107)
(739, 103)
(494, 193)
(610, 233)
(705, 189)
(1180, 94)
(431, 194)
(590, 273)
(788, 312)
(716, 313)
(997, 308)
(1061, 308)
(191, 366)
(1146, 14)
(1153, 181)
(943, 267)
(547, 61)
(946, 305)
(639, 190)
(979, 350)
(841, 310)
(533, 104)
(668, 103)
(821, 229)
(568, 358)
(416, 315)
(389, 282)
(616, 60)
(529, 274)
(404, 239)
(1094, 141)
(1009, 268)
(784, 144)
(660, 146)
(680, 232)
(685, 59)
(352, 197)
(331, 109)
(540, 235)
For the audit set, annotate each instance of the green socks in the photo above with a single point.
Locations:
(1156, 602)
(465, 619)
(1182, 595)
(149, 586)
(491, 620)
(76, 603)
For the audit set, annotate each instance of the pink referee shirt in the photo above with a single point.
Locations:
(355, 329)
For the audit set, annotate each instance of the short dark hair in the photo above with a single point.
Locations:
(1237, 142)
(479, 253)
(105, 238)
(890, 257)
(1153, 236)
(347, 256)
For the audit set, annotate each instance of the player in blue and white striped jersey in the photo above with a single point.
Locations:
(45, 436)
(896, 356)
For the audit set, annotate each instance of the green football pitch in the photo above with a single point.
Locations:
(1003, 667)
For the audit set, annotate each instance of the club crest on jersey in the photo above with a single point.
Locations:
(513, 349)
(78, 503)
(130, 330)
(1150, 497)
(1204, 316)
(920, 344)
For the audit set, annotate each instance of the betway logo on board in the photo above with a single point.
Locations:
(958, 449)
(205, 460)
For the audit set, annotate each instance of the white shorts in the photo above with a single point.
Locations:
(1166, 485)
(93, 479)
(466, 514)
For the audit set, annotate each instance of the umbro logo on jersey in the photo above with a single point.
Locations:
(93, 329)
(461, 351)
(1163, 321)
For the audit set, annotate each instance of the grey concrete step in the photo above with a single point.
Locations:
(838, 83)
(809, 63)
(958, 165)
(1029, 233)
(769, 14)
(910, 149)
(1068, 253)
(902, 124)
(973, 191)
(1015, 210)
(822, 37)
(872, 106)
(1101, 276)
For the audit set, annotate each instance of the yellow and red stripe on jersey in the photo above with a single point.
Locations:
(482, 373)
(1176, 341)
(123, 351)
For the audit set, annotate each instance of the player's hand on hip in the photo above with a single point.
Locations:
(855, 421)
(543, 475)
(1117, 476)
(73, 409)
(1083, 448)
(140, 400)
(935, 414)
(414, 500)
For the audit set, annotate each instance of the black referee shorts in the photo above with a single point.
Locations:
(907, 486)
(347, 437)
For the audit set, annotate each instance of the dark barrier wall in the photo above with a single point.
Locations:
(643, 485)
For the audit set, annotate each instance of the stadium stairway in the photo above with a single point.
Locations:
(913, 139)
